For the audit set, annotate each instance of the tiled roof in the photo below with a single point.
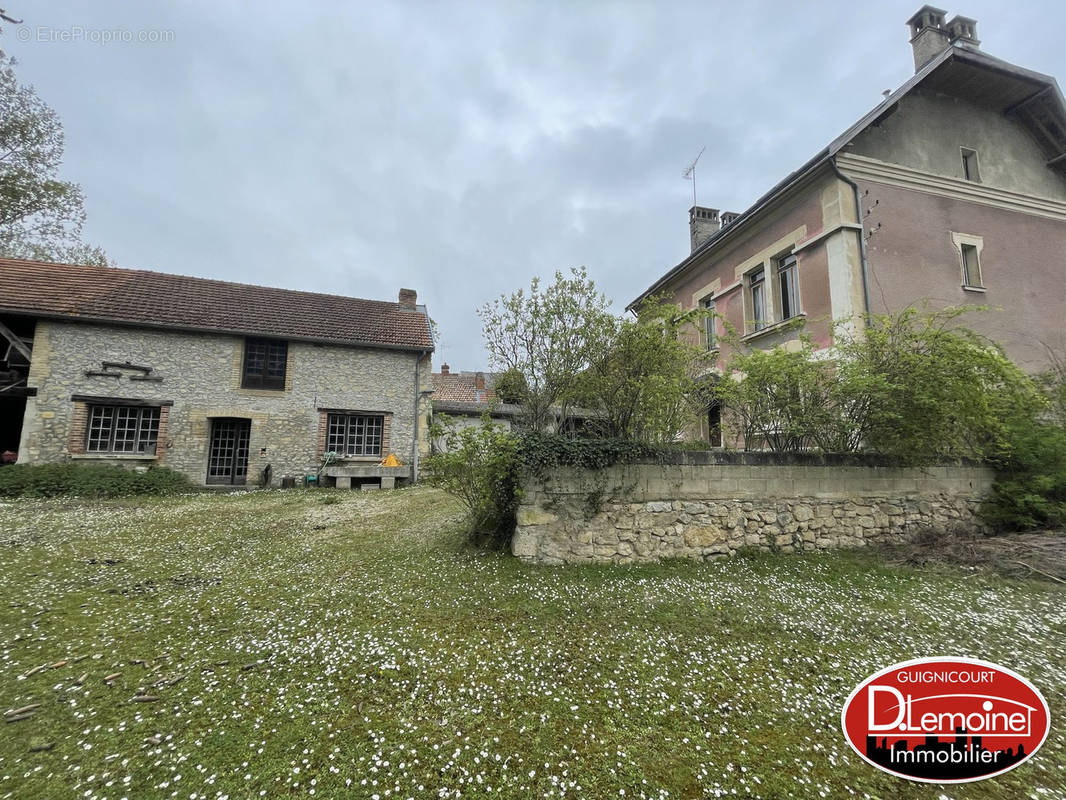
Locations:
(157, 299)
(461, 387)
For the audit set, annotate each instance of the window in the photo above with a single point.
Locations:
(709, 323)
(264, 363)
(353, 435)
(789, 285)
(122, 429)
(757, 287)
(971, 266)
(970, 169)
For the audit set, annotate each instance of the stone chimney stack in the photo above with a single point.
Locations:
(444, 369)
(963, 30)
(408, 299)
(929, 35)
(703, 223)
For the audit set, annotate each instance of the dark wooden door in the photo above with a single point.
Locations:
(227, 461)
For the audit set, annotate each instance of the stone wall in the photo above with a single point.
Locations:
(201, 376)
(712, 504)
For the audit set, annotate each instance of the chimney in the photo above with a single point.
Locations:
(963, 30)
(479, 381)
(929, 35)
(729, 217)
(408, 299)
(444, 369)
(703, 223)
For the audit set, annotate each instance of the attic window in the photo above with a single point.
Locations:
(970, 169)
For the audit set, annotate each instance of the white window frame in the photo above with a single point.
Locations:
(750, 287)
(710, 329)
(786, 268)
(961, 241)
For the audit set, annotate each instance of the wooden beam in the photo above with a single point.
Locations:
(15, 341)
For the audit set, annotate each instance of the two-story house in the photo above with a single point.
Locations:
(952, 191)
(227, 383)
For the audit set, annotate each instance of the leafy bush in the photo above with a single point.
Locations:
(539, 452)
(1030, 491)
(914, 385)
(477, 465)
(646, 383)
(96, 480)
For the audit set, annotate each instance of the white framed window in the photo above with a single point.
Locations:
(969, 247)
(971, 266)
(788, 285)
(760, 317)
(710, 324)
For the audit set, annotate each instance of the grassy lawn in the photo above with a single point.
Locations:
(316, 643)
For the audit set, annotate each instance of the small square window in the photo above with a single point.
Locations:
(971, 266)
(971, 170)
(264, 363)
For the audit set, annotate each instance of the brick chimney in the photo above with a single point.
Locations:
(703, 223)
(929, 35)
(444, 369)
(479, 381)
(408, 298)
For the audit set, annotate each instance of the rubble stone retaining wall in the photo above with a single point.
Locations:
(709, 505)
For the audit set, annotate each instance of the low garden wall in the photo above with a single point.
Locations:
(709, 504)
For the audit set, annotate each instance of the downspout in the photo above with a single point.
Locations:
(862, 236)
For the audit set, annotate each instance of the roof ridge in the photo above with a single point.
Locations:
(216, 281)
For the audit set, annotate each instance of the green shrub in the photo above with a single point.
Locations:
(914, 385)
(1030, 490)
(83, 480)
(478, 466)
(539, 452)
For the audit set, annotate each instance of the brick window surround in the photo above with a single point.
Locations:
(80, 424)
(324, 415)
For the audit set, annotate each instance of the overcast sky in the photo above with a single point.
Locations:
(455, 148)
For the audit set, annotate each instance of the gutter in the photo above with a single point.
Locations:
(863, 262)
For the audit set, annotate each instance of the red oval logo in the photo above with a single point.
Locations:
(946, 720)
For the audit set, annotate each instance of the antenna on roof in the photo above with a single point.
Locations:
(690, 173)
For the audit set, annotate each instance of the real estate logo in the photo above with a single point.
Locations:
(945, 720)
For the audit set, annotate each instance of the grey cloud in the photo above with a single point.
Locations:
(458, 147)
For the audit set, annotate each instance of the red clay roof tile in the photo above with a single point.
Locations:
(157, 299)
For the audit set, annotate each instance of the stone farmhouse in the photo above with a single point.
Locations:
(227, 383)
(952, 190)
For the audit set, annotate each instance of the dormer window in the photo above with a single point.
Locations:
(971, 171)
